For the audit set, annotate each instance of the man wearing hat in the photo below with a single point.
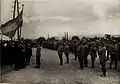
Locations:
(60, 53)
(85, 53)
(38, 55)
(66, 51)
(114, 55)
(93, 54)
(102, 57)
(75, 46)
(80, 56)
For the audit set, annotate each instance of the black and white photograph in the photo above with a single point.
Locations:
(59, 41)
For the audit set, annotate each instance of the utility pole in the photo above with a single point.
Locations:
(48, 35)
(67, 35)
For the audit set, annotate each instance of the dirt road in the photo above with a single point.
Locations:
(51, 73)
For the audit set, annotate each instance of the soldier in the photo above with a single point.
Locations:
(66, 51)
(85, 53)
(93, 54)
(21, 57)
(29, 54)
(38, 56)
(75, 49)
(108, 50)
(102, 57)
(80, 56)
(119, 51)
(114, 57)
(60, 53)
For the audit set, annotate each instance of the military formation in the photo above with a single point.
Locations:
(16, 54)
(106, 50)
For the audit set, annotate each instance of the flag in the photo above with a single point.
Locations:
(10, 27)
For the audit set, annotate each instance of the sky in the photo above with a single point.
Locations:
(86, 17)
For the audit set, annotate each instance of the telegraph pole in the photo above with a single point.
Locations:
(48, 35)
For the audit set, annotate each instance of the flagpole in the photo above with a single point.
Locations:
(18, 35)
(21, 26)
(14, 14)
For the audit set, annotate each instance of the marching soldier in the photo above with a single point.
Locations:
(38, 56)
(60, 54)
(80, 56)
(66, 51)
(114, 55)
(93, 54)
(102, 57)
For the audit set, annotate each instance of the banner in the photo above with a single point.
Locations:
(9, 28)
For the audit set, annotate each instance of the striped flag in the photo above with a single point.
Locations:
(10, 27)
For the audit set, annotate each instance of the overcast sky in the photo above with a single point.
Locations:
(74, 16)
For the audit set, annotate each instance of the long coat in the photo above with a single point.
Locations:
(102, 54)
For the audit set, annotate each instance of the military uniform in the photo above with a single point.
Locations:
(38, 56)
(93, 55)
(66, 51)
(60, 53)
(102, 56)
(80, 56)
(85, 53)
(118, 47)
(75, 46)
(108, 50)
(28, 51)
(114, 56)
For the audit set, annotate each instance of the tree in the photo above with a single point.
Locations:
(64, 39)
(52, 39)
(41, 39)
(75, 38)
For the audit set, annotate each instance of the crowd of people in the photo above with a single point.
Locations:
(18, 54)
(105, 49)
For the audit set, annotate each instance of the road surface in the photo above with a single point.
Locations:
(51, 73)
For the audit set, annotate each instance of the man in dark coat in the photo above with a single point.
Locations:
(102, 56)
(80, 56)
(28, 52)
(85, 53)
(118, 47)
(38, 56)
(66, 51)
(21, 57)
(16, 56)
(60, 54)
(93, 54)
(114, 55)
(108, 50)
(75, 46)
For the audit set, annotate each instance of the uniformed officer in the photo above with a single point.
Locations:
(108, 50)
(119, 51)
(93, 54)
(75, 46)
(29, 54)
(114, 55)
(80, 56)
(102, 56)
(38, 56)
(66, 51)
(85, 53)
(60, 54)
